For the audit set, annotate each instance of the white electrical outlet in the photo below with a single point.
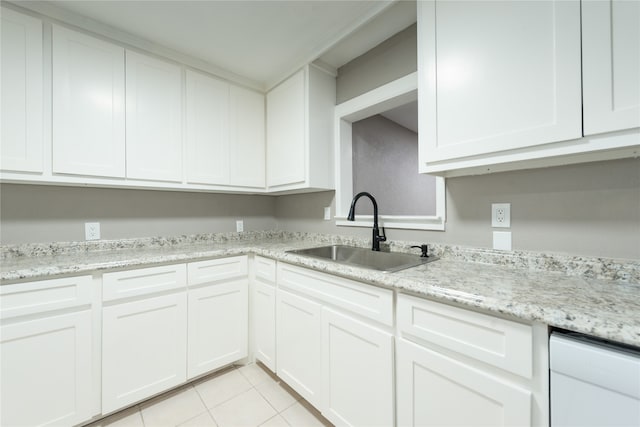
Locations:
(92, 231)
(501, 215)
(240, 226)
(327, 213)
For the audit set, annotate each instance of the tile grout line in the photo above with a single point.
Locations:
(206, 408)
(278, 413)
(276, 381)
(255, 387)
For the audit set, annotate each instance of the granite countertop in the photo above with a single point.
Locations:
(598, 297)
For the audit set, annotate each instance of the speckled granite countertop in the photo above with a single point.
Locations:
(599, 297)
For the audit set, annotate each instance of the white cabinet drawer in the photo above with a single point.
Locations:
(35, 297)
(498, 342)
(143, 281)
(366, 300)
(214, 270)
(265, 269)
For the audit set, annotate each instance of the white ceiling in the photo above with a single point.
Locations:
(262, 41)
(405, 115)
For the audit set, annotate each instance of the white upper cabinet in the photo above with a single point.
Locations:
(300, 131)
(88, 105)
(610, 65)
(225, 133)
(286, 132)
(207, 130)
(503, 85)
(154, 119)
(21, 119)
(496, 76)
(246, 138)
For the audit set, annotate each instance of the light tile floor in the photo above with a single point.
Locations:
(239, 396)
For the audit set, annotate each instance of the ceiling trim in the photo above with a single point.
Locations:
(381, 6)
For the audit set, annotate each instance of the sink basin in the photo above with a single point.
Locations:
(362, 257)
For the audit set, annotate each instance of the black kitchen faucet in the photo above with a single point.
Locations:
(377, 238)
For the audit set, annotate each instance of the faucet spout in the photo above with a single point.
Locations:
(377, 238)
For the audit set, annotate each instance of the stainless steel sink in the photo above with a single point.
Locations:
(361, 257)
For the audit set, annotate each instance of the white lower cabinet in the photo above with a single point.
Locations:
(164, 325)
(436, 390)
(47, 353)
(218, 314)
(144, 348)
(357, 372)
(458, 367)
(335, 345)
(264, 311)
(299, 344)
(144, 334)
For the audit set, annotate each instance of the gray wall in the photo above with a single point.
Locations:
(384, 164)
(591, 209)
(390, 60)
(33, 213)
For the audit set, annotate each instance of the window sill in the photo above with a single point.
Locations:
(435, 223)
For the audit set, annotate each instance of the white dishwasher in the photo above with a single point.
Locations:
(593, 383)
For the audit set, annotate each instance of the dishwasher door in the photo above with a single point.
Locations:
(593, 383)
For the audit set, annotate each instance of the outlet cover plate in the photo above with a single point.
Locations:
(239, 226)
(501, 215)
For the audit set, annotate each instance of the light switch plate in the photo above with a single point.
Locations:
(502, 240)
(327, 213)
(92, 231)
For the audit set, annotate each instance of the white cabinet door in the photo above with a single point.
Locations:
(88, 105)
(357, 372)
(47, 370)
(218, 326)
(435, 390)
(21, 112)
(286, 130)
(207, 130)
(300, 131)
(496, 76)
(144, 349)
(263, 300)
(246, 138)
(299, 344)
(264, 323)
(154, 119)
(610, 65)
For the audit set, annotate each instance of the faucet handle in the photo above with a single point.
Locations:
(425, 250)
(382, 238)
